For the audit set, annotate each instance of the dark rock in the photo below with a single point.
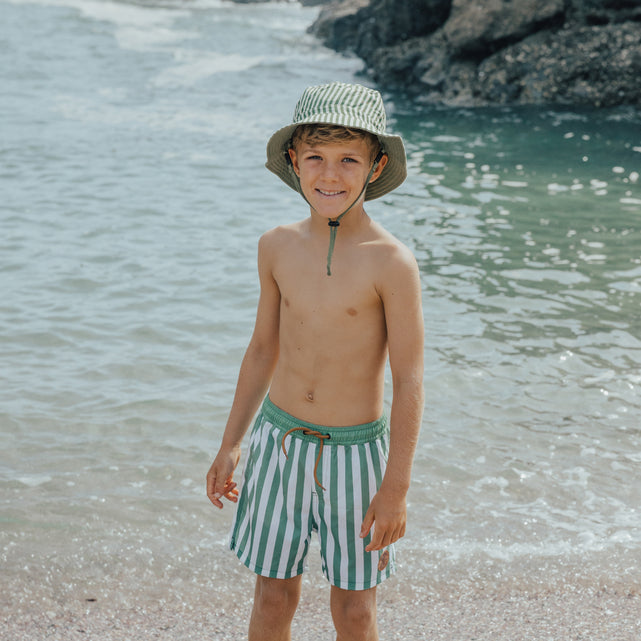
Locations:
(494, 51)
(391, 21)
(600, 12)
(481, 28)
(339, 23)
(598, 66)
(363, 26)
(305, 3)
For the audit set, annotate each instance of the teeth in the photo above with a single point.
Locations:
(329, 193)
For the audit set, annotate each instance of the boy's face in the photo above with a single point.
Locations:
(332, 175)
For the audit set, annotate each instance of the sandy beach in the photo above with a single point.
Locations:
(205, 593)
(576, 613)
(582, 616)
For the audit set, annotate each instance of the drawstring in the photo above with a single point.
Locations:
(334, 223)
(333, 227)
(308, 432)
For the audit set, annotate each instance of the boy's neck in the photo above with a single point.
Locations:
(352, 221)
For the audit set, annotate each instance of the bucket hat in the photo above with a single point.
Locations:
(347, 105)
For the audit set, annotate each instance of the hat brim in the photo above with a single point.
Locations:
(393, 174)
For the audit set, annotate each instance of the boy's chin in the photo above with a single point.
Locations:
(329, 209)
(325, 210)
(328, 215)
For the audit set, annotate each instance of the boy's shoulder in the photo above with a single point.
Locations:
(394, 267)
(278, 241)
(285, 230)
(273, 239)
(390, 248)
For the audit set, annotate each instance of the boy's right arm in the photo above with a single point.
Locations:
(253, 380)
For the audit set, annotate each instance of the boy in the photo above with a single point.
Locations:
(338, 295)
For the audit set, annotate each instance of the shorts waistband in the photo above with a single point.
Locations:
(351, 435)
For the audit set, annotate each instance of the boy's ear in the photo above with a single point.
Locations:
(379, 170)
(294, 160)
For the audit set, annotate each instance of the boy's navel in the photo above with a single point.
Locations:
(310, 397)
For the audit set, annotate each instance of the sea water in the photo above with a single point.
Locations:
(132, 195)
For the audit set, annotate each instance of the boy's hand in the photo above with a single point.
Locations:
(388, 514)
(220, 475)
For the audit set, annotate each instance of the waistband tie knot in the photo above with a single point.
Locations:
(308, 432)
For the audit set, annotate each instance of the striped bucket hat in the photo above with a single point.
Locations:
(346, 105)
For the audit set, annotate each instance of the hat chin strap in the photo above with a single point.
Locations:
(334, 223)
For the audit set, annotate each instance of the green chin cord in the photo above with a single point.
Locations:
(334, 223)
(333, 227)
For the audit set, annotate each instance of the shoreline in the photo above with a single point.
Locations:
(504, 613)
(202, 592)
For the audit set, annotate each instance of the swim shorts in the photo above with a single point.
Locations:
(301, 478)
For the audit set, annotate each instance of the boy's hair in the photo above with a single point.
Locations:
(322, 134)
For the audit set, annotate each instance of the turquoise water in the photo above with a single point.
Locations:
(133, 193)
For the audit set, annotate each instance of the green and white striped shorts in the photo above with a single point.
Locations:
(299, 478)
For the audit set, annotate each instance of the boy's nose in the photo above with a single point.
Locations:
(330, 170)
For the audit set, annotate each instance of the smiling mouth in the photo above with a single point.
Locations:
(329, 193)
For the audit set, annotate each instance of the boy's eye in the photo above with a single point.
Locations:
(350, 160)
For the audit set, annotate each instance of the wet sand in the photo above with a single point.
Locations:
(577, 613)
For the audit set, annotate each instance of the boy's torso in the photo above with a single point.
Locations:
(332, 331)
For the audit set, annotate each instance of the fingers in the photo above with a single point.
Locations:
(213, 494)
(382, 539)
(383, 534)
(376, 541)
(228, 491)
(231, 493)
(368, 521)
(379, 540)
(217, 490)
(220, 484)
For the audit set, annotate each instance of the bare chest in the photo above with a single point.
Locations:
(349, 295)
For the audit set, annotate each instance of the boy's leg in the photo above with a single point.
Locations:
(275, 602)
(354, 614)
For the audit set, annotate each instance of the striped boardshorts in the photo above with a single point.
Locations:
(320, 484)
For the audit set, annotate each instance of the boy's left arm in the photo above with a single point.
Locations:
(401, 296)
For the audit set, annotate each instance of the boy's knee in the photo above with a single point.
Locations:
(275, 603)
(277, 595)
(354, 615)
(357, 614)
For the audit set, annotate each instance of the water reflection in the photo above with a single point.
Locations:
(519, 224)
(527, 230)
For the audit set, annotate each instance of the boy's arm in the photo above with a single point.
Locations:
(253, 380)
(401, 295)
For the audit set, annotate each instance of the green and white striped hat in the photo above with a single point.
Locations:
(345, 105)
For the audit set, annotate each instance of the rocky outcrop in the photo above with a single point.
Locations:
(599, 66)
(479, 29)
(474, 52)
(364, 26)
